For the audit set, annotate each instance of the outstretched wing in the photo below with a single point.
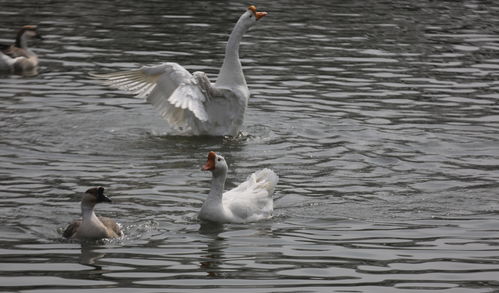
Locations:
(170, 88)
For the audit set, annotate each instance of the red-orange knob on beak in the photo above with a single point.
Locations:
(210, 163)
(257, 14)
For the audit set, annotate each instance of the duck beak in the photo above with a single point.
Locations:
(101, 197)
(257, 14)
(210, 163)
(206, 167)
(106, 199)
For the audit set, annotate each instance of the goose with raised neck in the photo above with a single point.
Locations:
(190, 103)
(231, 73)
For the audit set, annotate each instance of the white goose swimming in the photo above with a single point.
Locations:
(250, 201)
(18, 58)
(190, 102)
(91, 227)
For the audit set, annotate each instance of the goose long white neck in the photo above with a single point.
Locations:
(213, 208)
(217, 185)
(231, 73)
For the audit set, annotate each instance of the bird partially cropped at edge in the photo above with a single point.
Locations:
(91, 227)
(17, 58)
(190, 102)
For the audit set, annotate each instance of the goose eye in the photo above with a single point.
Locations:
(219, 159)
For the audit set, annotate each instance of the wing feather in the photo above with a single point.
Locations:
(111, 224)
(171, 89)
(260, 184)
(252, 199)
(71, 229)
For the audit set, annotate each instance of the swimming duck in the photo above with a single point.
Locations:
(18, 58)
(190, 102)
(91, 227)
(250, 201)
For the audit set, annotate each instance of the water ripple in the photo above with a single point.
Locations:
(381, 120)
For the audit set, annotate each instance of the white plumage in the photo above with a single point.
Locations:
(249, 202)
(190, 102)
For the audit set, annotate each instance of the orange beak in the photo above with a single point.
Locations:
(210, 164)
(257, 14)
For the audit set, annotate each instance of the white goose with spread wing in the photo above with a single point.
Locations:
(249, 202)
(190, 102)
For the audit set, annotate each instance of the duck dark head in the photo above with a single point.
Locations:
(98, 194)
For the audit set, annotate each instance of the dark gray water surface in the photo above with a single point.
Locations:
(381, 119)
